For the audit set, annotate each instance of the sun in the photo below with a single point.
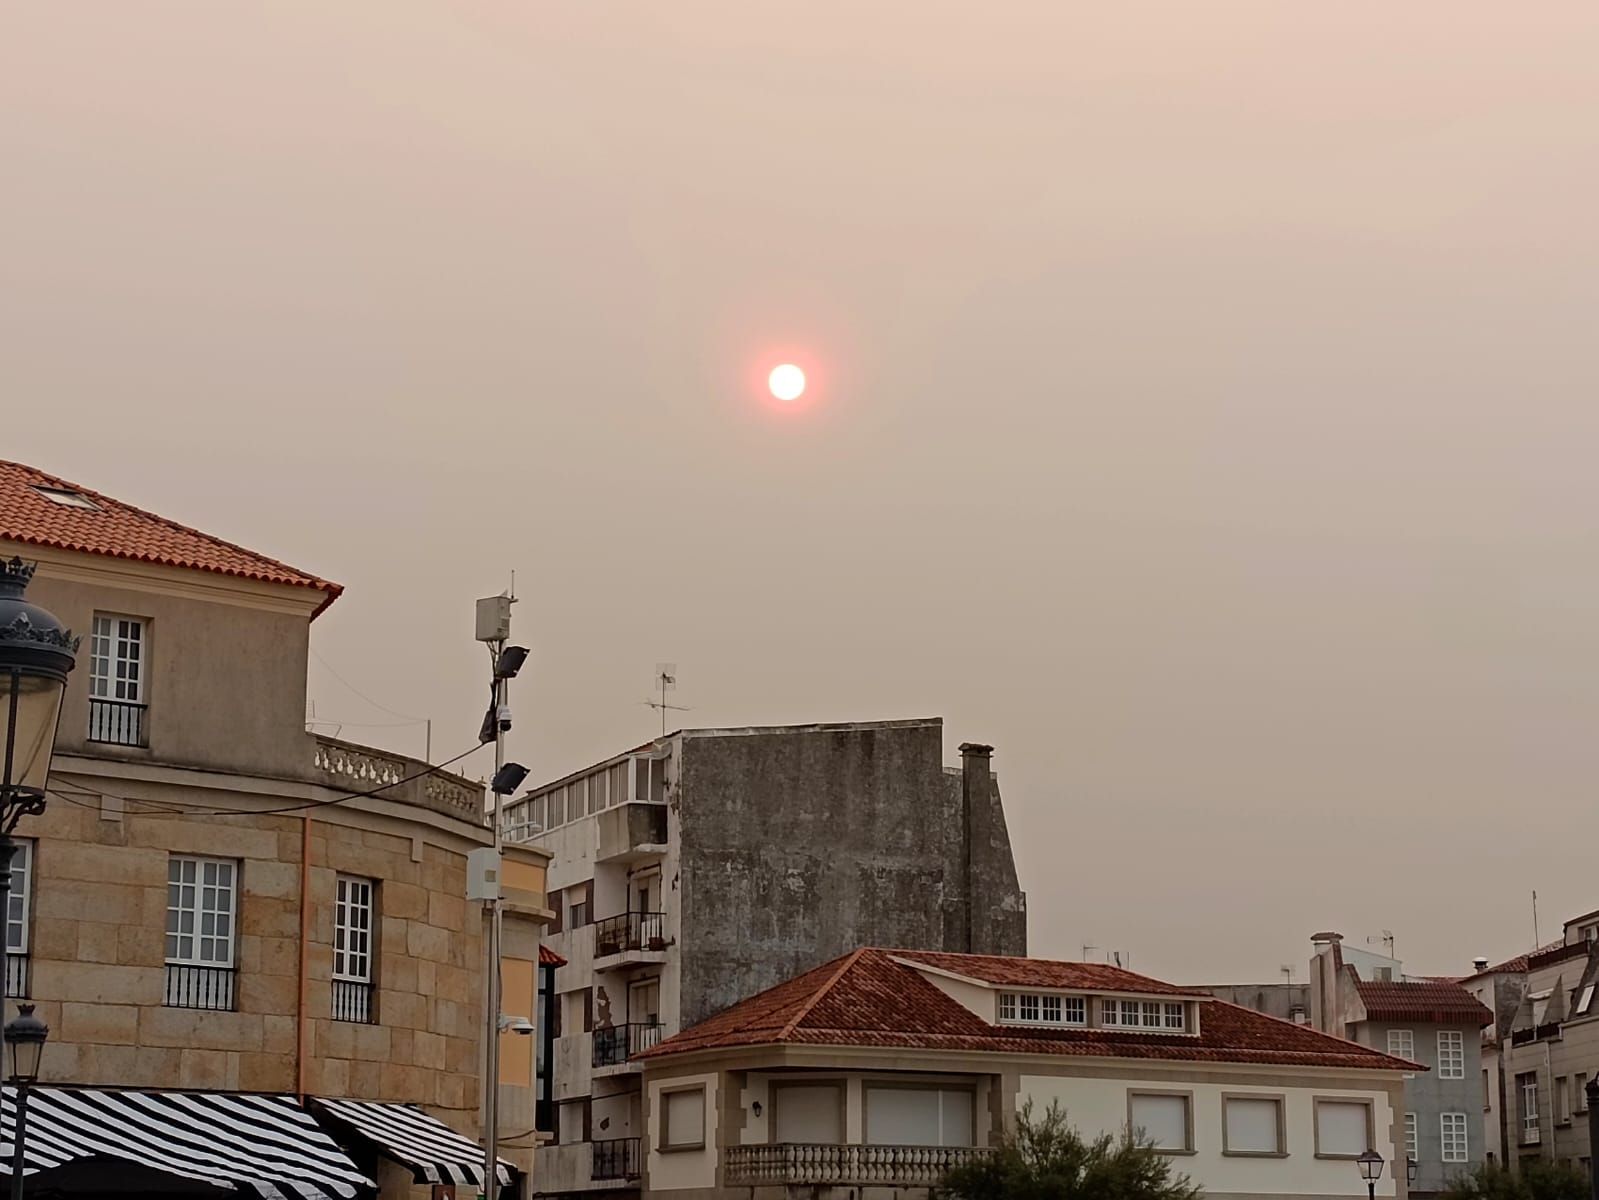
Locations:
(787, 382)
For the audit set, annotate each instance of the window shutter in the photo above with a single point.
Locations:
(588, 1010)
(588, 1118)
(555, 903)
(555, 1016)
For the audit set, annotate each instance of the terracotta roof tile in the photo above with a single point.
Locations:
(119, 530)
(870, 998)
(1438, 1003)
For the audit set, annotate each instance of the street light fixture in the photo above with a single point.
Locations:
(26, 1036)
(36, 654)
(1412, 1169)
(1370, 1164)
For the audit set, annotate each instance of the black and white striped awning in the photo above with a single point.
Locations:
(265, 1146)
(430, 1149)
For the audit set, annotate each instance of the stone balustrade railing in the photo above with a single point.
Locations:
(813, 1165)
(352, 768)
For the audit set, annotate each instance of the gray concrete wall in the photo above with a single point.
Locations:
(1428, 1095)
(1274, 999)
(803, 844)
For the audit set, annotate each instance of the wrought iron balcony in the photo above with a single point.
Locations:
(641, 932)
(118, 722)
(16, 974)
(195, 986)
(618, 1043)
(616, 1159)
(812, 1165)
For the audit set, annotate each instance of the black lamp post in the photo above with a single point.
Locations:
(36, 654)
(1412, 1169)
(1370, 1164)
(25, 1036)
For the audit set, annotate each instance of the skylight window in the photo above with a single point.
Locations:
(65, 498)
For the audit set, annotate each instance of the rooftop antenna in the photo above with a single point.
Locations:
(1535, 941)
(666, 681)
(1288, 972)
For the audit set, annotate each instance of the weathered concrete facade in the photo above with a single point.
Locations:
(713, 863)
(800, 845)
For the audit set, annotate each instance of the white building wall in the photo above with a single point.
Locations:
(675, 1170)
(1097, 1106)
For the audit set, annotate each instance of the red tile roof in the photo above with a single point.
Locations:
(875, 997)
(120, 530)
(1437, 1003)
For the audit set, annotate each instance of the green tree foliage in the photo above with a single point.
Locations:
(1046, 1159)
(1536, 1181)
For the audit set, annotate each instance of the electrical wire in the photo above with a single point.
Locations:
(392, 712)
(178, 808)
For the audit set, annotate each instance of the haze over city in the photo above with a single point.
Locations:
(1198, 408)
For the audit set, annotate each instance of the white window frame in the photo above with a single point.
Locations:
(199, 910)
(1411, 1141)
(1529, 1108)
(1453, 1137)
(20, 912)
(109, 645)
(354, 916)
(1046, 1009)
(1402, 1043)
(1451, 1054)
(1148, 1016)
(1586, 1000)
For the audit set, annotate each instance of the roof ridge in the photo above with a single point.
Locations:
(848, 961)
(167, 521)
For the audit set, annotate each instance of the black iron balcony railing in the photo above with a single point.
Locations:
(630, 931)
(193, 986)
(118, 722)
(807, 1164)
(617, 1044)
(616, 1159)
(16, 974)
(352, 1000)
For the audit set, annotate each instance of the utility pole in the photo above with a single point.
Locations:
(494, 630)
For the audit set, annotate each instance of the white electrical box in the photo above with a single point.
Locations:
(483, 874)
(494, 619)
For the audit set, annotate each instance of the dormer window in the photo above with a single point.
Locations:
(1037, 1008)
(1156, 1016)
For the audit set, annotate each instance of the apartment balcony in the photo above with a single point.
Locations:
(631, 833)
(801, 1164)
(118, 722)
(614, 1047)
(629, 940)
(617, 1159)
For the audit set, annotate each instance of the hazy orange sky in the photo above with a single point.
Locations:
(1204, 409)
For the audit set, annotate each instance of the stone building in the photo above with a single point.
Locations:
(1435, 1024)
(710, 864)
(218, 900)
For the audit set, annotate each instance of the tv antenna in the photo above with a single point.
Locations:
(666, 681)
(1288, 972)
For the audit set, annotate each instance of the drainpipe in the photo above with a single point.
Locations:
(302, 1028)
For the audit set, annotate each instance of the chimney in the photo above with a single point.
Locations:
(976, 788)
(1479, 964)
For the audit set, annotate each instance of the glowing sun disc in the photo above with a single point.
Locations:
(786, 382)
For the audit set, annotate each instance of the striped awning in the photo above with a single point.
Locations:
(430, 1149)
(266, 1146)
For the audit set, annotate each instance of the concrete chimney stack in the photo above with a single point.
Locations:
(977, 776)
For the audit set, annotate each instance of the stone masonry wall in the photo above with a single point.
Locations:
(97, 954)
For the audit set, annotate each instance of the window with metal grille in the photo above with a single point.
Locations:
(202, 898)
(117, 683)
(353, 912)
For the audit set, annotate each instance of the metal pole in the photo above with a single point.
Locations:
(491, 1073)
(16, 1138)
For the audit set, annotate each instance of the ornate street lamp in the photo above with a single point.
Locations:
(1370, 1164)
(36, 654)
(25, 1037)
